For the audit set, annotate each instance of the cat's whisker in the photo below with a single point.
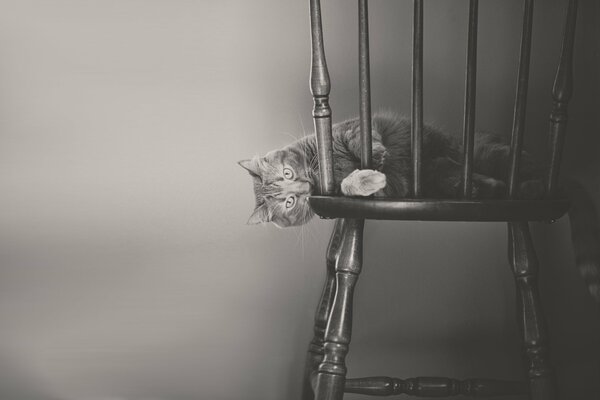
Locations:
(313, 238)
(302, 240)
(314, 163)
(301, 124)
(291, 135)
(270, 213)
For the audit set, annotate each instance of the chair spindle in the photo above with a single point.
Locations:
(434, 387)
(530, 317)
(561, 94)
(417, 96)
(364, 84)
(516, 143)
(332, 370)
(315, 348)
(320, 86)
(470, 94)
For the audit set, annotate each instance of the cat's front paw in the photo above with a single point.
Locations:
(363, 182)
(379, 155)
(488, 188)
(532, 190)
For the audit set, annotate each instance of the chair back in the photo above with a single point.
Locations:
(320, 87)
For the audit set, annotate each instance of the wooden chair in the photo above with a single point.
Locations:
(325, 374)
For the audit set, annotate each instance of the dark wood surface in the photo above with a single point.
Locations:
(524, 264)
(516, 142)
(470, 91)
(417, 97)
(438, 210)
(315, 348)
(364, 73)
(332, 370)
(434, 387)
(320, 86)
(561, 95)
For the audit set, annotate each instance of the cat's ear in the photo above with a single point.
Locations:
(260, 215)
(251, 166)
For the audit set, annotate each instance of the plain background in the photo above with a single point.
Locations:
(127, 270)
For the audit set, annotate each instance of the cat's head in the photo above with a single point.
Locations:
(282, 184)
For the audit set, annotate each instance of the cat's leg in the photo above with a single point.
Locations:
(363, 182)
(354, 143)
(493, 158)
(444, 178)
(397, 170)
(532, 189)
(379, 151)
(486, 187)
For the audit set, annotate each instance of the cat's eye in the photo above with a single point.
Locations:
(288, 173)
(290, 202)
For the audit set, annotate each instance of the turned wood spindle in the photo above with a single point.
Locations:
(434, 387)
(417, 97)
(332, 370)
(516, 142)
(524, 263)
(561, 95)
(470, 92)
(320, 87)
(364, 84)
(315, 348)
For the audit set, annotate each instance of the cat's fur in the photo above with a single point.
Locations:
(285, 178)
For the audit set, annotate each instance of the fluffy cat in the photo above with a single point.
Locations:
(285, 178)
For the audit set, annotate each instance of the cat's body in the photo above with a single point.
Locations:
(441, 158)
(285, 178)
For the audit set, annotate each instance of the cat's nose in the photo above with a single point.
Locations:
(301, 187)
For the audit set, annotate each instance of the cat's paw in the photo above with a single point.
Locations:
(482, 187)
(379, 155)
(532, 190)
(488, 188)
(363, 182)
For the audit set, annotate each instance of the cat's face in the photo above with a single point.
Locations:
(282, 184)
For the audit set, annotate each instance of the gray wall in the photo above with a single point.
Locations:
(127, 271)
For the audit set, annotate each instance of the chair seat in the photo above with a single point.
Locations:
(438, 210)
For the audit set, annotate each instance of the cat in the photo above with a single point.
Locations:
(285, 178)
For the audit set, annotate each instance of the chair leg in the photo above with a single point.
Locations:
(524, 263)
(315, 348)
(331, 374)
